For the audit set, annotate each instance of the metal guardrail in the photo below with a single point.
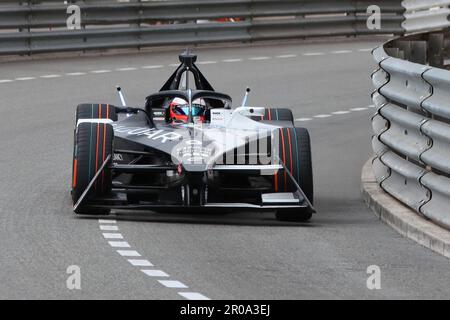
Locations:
(412, 125)
(425, 15)
(28, 27)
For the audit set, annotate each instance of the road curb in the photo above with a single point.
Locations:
(401, 218)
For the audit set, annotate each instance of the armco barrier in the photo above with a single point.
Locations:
(426, 15)
(412, 125)
(28, 27)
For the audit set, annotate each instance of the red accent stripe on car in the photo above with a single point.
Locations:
(104, 145)
(284, 158)
(96, 148)
(75, 173)
(275, 181)
(290, 149)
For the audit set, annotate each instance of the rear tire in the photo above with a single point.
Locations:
(295, 152)
(93, 144)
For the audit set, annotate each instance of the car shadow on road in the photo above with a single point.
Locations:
(235, 218)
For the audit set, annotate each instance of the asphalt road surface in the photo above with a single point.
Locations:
(235, 256)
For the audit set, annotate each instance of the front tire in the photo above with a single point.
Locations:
(95, 111)
(93, 144)
(295, 151)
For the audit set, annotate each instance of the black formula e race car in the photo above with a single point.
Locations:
(189, 149)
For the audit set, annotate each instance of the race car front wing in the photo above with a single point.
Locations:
(268, 201)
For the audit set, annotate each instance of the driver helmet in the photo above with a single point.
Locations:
(179, 110)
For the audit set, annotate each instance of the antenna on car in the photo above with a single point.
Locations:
(190, 120)
(244, 101)
(122, 99)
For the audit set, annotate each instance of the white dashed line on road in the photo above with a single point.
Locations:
(75, 74)
(133, 257)
(340, 112)
(109, 228)
(322, 116)
(172, 284)
(106, 221)
(258, 58)
(149, 67)
(341, 51)
(140, 263)
(193, 296)
(127, 69)
(100, 71)
(232, 60)
(128, 253)
(50, 76)
(112, 236)
(155, 273)
(119, 244)
(285, 56)
(313, 54)
(153, 67)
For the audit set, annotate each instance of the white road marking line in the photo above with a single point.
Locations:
(50, 76)
(119, 244)
(232, 60)
(174, 65)
(112, 236)
(206, 62)
(322, 116)
(258, 58)
(172, 284)
(340, 112)
(303, 119)
(285, 56)
(341, 51)
(25, 78)
(358, 109)
(140, 263)
(6, 81)
(126, 69)
(313, 54)
(128, 253)
(153, 67)
(76, 74)
(371, 106)
(365, 50)
(154, 273)
(100, 71)
(109, 228)
(193, 296)
(106, 221)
